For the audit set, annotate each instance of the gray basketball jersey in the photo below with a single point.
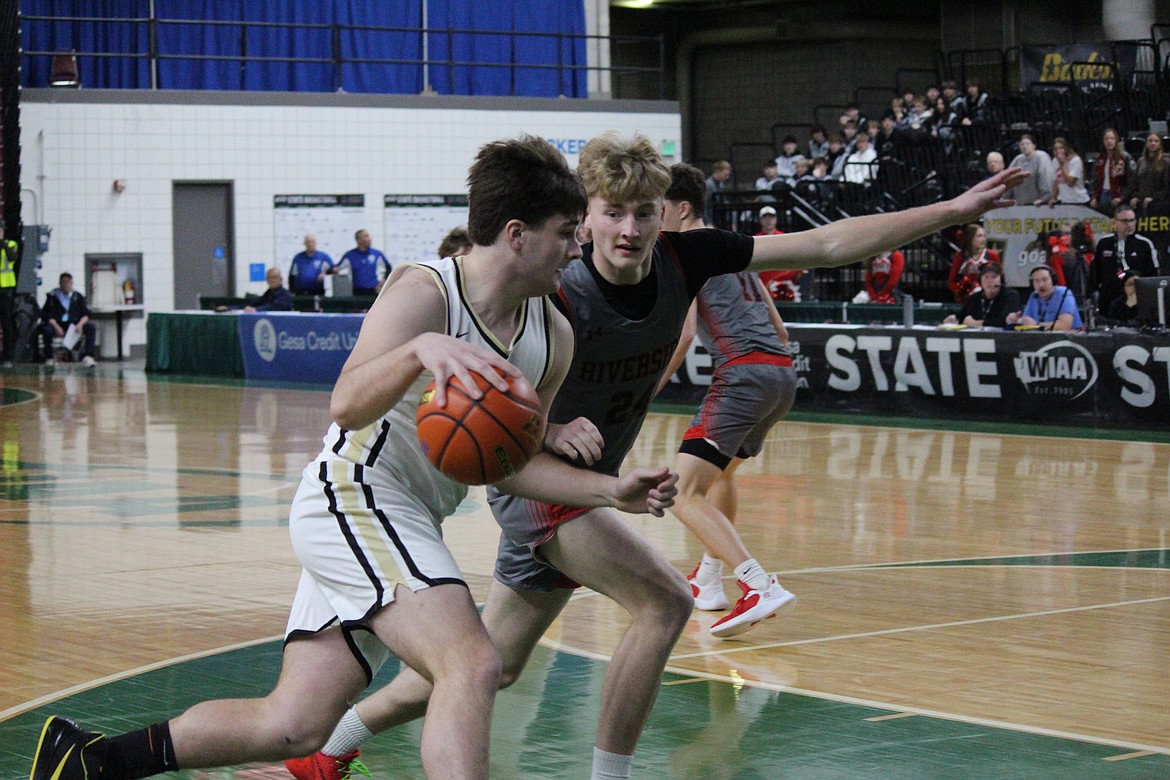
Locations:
(618, 362)
(733, 321)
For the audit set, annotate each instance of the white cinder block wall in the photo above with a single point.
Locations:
(74, 144)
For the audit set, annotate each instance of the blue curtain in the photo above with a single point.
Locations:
(516, 55)
(203, 39)
(314, 40)
(109, 37)
(381, 45)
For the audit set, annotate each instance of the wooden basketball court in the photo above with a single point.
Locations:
(973, 602)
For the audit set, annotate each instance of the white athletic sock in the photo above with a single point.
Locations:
(753, 574)
(349, 735)
(611, 766)
(710, 570)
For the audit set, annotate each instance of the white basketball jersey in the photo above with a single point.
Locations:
(388, 449)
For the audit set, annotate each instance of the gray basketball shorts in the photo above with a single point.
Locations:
(743, 403)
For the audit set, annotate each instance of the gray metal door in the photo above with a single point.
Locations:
(204, 242)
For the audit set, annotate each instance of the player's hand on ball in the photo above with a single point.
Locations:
(646, 490)
(579, 440)
(447, 357)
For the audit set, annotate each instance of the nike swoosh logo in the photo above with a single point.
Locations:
(461, 335)
(62, 762)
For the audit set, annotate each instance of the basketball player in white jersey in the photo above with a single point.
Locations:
(627, 299)
(365, 521)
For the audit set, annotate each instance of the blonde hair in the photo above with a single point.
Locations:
(619, 169)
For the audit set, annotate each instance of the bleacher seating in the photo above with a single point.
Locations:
(925, 171)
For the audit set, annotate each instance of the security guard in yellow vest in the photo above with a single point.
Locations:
(9, 252)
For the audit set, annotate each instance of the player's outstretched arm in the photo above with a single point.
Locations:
(401, 335)
(849, 240)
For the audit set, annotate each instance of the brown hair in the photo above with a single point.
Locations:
(456, 242)
(523, 178)
(969, 232)
(687, 186)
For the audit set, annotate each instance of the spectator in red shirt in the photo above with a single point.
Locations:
(964, 276)
(882, 274)
(781, 285)
(1111, 173)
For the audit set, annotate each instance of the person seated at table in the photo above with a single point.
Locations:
(275, 298)
(1124, 310)
(1050, 306)
(64, 309)
(990, 305)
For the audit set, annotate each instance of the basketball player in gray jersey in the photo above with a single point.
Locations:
(627, 300)
(753, 386)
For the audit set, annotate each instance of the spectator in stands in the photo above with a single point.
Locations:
(888, 136)
(994, 163)
(768, 180)
(1119, 254)
(786, 160)
(898, 109)
(931, 93)
(368, 266)
(1068, 172)
(819, 188)
(719, 181)
(836, 156)
(1050, 307)
(860, 166)
(991, 304)
(852, 116)
(1151, 184)
(66, 309)
(1037, 188)
(1124, 310)
(973, 106)
(457, 243)
(306, 275)
(781, 285)
(803, 168)
(849, 134)
(918, 121)
(1111, 173)
(950, 93)
(768, 219)
(882, 274)
(944, 124)
(963, 278)
(818, 142)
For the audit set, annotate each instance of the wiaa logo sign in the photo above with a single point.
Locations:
(1063, 369)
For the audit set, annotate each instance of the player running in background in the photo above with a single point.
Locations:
(753, 386)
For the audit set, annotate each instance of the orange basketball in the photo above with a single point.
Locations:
(484, 441)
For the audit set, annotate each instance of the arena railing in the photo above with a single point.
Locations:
(645, 48)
